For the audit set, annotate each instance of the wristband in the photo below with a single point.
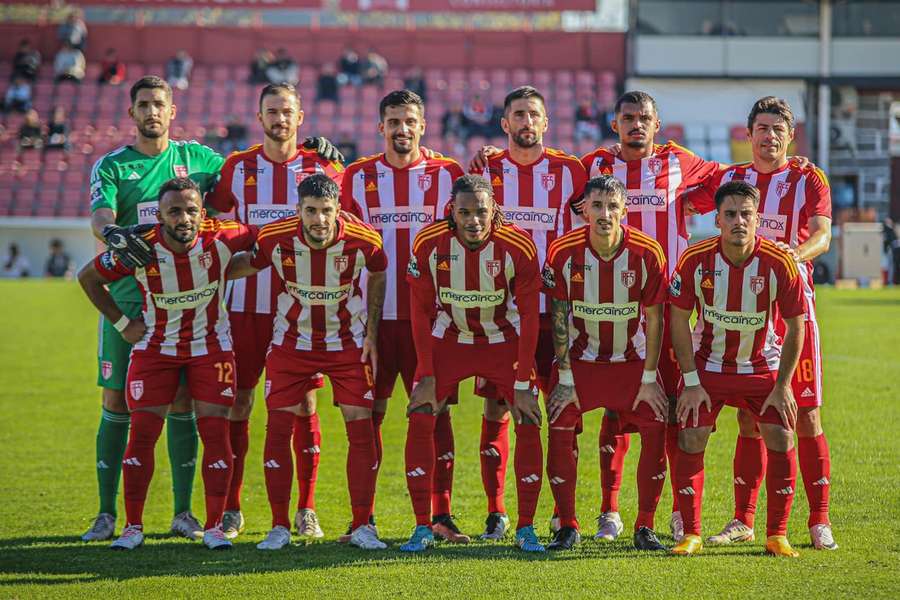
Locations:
(522, 386)
(691, 379)
(648, 377)
(565, 377)
(122, 323)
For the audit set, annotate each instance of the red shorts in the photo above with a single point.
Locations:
(491, 362)
(741, 391)
(154, 378)
(544, 356)
(290, 374)
(595, 388)
(396, 356)
(251, 334)
(807, 381)
(667, 368)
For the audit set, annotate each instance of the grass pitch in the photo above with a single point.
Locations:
(50, 409)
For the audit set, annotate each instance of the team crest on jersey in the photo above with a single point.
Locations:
(628, 278)
(340, 263)
(782, 188)
(180, 170)
(493, 267)
(106, 369)
(205, 260)
(424, 182)
(548, 181)
(136, 388)
(757, 284)
(654, 165)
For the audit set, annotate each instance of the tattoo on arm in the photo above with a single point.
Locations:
(375, 294)
(560, 317)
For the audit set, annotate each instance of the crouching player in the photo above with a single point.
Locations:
(321, 326)
(603, 279)
(481, 276)
(183, 327)
(736, 281)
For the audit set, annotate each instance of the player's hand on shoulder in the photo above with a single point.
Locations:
(324, 148)
(561, 396)
(615, 149)
(789, 250)
(480, 160)
(689, 402)
(653, 395)
(423, 395)
(128, 244)
(801, 162)
(134, 331)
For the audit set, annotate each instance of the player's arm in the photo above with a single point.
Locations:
(375, 291)
(93, 278)
(240, 266)
(563, 393)
(479, 162)
(422, 299)
(650, 392)
(125, 242)
(527, 285)
(819, 240)
(324, 148)
(220, 198)
(693, 396)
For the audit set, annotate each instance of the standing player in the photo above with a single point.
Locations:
(607, 284)
(182, 329)
(482, 275)
(260, 185)
(124, 187)
(321, 325)
(399, 192)
(735, 281)
(795, 213)
(533, 185)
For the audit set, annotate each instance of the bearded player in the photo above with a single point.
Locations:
(736, 281)
(481, 275)
(183, 329)
(795, 213)
(607, 283)
(260, 185)
(398, 192)
(322, 325)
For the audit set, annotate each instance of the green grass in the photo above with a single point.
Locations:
(50, 409)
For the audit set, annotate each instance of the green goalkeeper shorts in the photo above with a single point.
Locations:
(113, 351)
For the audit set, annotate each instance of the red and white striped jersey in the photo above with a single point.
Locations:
(261, 191)
(320, 306)
(655, 186)
(182, 293)
(789, 197)
(735, 331)
(536, 197)
(607, 297)
(398, 203)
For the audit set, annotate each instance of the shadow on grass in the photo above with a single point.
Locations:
(865, 301)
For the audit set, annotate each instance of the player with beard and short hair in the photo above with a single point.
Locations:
(260, 185)
(398, 192)
(182, 331)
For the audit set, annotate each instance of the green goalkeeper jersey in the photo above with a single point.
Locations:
(128, 182)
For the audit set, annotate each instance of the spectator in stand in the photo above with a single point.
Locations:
(478, 114)
(235, 136)
(327, 84)
(31, 133)
(587, 121)
(415, 82)
(14, 264)
(59, 263)
(258, 66)
(178, 70)
(283, 69)
(18, 96)
(69, 64)
(112, 70)
(349, 68)
(26, 62)
(57, 131)
(346, 145)
(73, 31)
(455, 123)
(373, 68)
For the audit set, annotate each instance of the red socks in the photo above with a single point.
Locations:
(218, 465)
(529, 466)
(442, 479)
(815, 465)
(137, 466)
(651, 474)
(749, 468)
(613, 448)
(239, 432)
(781, 481)
(278, 465)
(562, 465)
(306, 443)
(494, 449)
(689, 481)
(362, 467)
(420, 462)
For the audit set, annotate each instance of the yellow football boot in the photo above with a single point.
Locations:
(689, 544)
(778, 545)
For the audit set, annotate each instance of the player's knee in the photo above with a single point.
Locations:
(809, 422)
(693, 440)
(209, 409)
(747, 424)
(308, 404)
(776, 437)
(114, 400)
(380, 405)
(494, 410)
(355, 413)
(243, 405)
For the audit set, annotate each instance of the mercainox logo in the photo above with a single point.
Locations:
(400, 217)
(186, 300)
(146, 212)
(772, 226)
(734, 320)
(646, 200)
(471, 298)
(608, 311)
(531, 217)
(317, 295)
(261, 214)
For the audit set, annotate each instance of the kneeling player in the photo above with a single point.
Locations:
(321, 326)
(183, 328)
(481, 274)
(602, 278)
(736, 280)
